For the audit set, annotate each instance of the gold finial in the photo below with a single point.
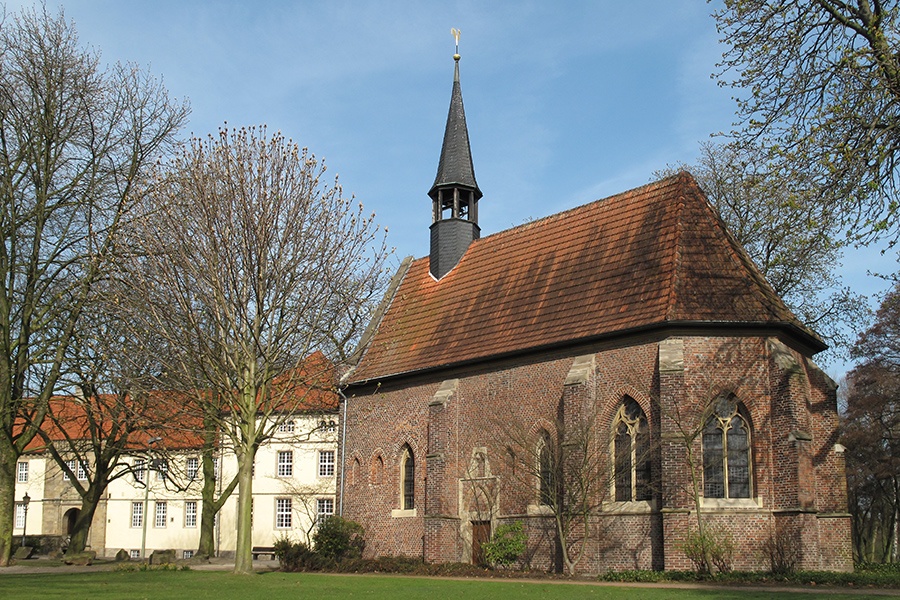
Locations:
(455, 33)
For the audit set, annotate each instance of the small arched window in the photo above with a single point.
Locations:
(376, 470)
(354, 471)
(632, 452)
(545, 470)
(726, 451)
(408, 479)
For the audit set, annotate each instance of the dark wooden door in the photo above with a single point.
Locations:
(481, 533)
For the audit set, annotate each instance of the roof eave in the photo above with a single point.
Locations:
(792, 334)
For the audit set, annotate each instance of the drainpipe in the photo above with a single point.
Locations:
(344, 400)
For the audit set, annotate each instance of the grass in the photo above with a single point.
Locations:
(207, 585)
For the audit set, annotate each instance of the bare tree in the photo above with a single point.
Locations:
(250, 263)
(568, 468)
(74, 139)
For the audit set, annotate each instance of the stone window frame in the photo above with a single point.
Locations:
(630, 421)
(161, 467)
(160, 514)
(326, 463)
(284, 466)
(727, 412)
(406, 490)
(190, 514)
(137, 515)
(407, 479)
(545, 468)
(78, 467)
(283, 513)
(20, 516)
(324, 509)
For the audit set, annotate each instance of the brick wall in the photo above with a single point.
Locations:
(474, 433)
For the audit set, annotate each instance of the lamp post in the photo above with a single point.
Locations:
(146, 472)
(25, 500)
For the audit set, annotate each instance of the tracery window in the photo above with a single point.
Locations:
(632, 453)
(726, 451)
(408, 479)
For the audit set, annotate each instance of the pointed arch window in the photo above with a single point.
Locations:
(632, 452)
(408, 479)
(726, 451)
(545, 470)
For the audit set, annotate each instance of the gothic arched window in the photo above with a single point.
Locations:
(545, 470)
(632, 453)
(408, 479)
(726, 451)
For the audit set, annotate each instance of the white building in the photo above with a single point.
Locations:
(294, 484)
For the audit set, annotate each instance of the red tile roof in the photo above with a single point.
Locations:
(652, 256)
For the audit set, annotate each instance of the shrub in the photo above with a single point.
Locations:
(295, 557)
(712, 548)
(783, 552)
(506, 545)
(338, 539)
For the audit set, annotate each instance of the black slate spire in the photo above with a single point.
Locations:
(455, 167)
(455, 192)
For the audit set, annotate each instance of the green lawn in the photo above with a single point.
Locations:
(200, 585)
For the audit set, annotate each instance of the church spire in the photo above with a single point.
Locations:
(455, 192)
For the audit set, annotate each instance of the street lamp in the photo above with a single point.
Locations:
(25, 500)
(148, 462)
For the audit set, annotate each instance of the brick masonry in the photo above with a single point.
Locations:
(471, 430)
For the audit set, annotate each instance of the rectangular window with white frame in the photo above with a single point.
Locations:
(286, 427)
(192, 468)
(285, 463)
(78, 468)
(20, 515)
(190, 513)
(282, 513)
(162, 469)
(187, 554)
(135, 554)
(326, 463)
(137, 514)
(162, 509)
(324, 509)
(139, 468)
(22, 472)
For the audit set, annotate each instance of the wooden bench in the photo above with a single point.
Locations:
(263, 551)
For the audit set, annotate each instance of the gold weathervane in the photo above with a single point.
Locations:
(455, 33)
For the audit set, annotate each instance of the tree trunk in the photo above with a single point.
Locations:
(208, 509)
(243, 552)
(8, 458)
(82, 526)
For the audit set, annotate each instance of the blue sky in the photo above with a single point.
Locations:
(566, 102)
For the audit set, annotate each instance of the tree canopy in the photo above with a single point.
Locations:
(75, 138)
(790, 235)
(251, 268)
(818, 84)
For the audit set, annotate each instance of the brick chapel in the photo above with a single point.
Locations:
(623, 360)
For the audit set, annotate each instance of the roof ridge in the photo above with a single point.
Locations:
(675, 276)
